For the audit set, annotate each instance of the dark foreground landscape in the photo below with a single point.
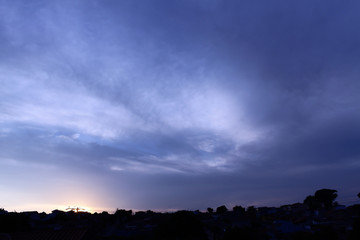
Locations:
(318, 217)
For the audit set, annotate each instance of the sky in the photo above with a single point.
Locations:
(182, 104)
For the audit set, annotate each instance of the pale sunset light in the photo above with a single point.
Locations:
(183, 104)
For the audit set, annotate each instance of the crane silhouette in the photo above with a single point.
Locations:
(76, 209)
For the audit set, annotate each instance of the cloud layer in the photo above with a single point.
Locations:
(184, 104)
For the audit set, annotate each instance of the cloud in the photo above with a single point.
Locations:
(207, 100)
(22, 164)
(31, 100)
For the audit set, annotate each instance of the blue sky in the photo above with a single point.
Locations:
(177, 104)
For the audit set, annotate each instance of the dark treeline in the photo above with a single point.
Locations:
(319, 216)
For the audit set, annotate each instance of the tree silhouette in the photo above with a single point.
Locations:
(238, 209)
(326, 197)
(358, 195)
(312, 202)
(210, 210)
(251, 212)
(323, 198)
(222, 209)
